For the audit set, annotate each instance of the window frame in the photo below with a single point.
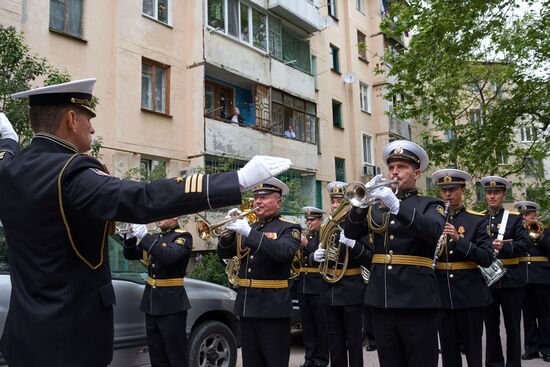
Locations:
(360, 6)
(342, 175)
(339, 123)
(332, 8)
(528, 134)
(166, 68)
(362, 54)
(250, 24)
(334, 58)
(155, 15)
(66, 17)
(285, 108)
(370, 147)
(368, 95)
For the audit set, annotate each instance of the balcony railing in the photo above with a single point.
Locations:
(303, 13)
(400, 128)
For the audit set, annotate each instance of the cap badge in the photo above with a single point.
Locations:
(447, 179)
(524, 208)
(308, 213)
(493, 183)
(335, 190)
(398, 150)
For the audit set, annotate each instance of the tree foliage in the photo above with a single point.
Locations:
(19, 67)
(474, 74)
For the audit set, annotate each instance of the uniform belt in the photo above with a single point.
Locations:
(349, 272)
(459, 265)
(389, 259)
(260, 283)
(513, 261)
(172, 282)
(309, 270)
(529, 258)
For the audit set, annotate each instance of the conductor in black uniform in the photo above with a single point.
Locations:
(510, 241)
(165, 303)
(403, 289)
(309, 285)
(344, 299)
(266, 250)
(464, 294)
(61, 305)
(536, 321)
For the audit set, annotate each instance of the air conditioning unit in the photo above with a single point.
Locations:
(370, 170)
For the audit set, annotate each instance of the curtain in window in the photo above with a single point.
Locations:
(147, 87)
(296, 49)
(75, 17)
(233, 17)
(160, 90)
(259, 29)
(57, 14)
(149, 7)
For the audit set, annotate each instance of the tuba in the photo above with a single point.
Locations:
(296, 264)
(330, 241)
(535, 230)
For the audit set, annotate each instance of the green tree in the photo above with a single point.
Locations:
(18, 69)
(475, 73)
(209, 268)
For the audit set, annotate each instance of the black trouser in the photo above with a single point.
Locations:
(368, 325)
(406, 337)
(510, 300)
(461, 327)
(536, 322)
(265, 342)
(167, 339)
(314, 324)
(345, 335)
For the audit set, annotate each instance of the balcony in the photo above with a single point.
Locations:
(302, 13)
(400, 128)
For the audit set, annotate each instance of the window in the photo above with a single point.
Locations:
(429, 183)
(528, 134)
(331, 6)
(334, 59)
(218, 100)
(155, 86)
(239, 20)
(318, 194)
(361, 46)
(359, 5)
(364, 95)
(157, 9)
(66, 16)
(448, 135)
(340, 168)
(336, 114)
(314, 71)
(151, 169)
(502, 159)
(287, 109)
(368, 150)
(288, 48)
(476, 117)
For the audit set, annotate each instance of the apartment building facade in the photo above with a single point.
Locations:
(171, 72)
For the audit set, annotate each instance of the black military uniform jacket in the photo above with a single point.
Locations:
(350, 290)
(55, 209)
(516, 275)
(466, 288)
(272, 243)
(166, 256)
(538, 272)
(413, 231)
(309, 281)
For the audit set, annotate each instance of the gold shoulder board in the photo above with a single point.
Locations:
(514, 212)
(474, 212)
(287, 220)
(180, 231)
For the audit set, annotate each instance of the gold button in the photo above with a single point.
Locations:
(391, 252)
(387, 259)
(391, 237)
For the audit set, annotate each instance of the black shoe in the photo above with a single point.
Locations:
(546, 358)
(529, 356)
(307, 364)
(370, 347)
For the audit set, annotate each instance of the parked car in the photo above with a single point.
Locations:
(212, 328)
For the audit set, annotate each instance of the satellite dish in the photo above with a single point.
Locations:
(349, 77)
(326, 21)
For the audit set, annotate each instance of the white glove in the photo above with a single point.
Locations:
(346, 241)
(374, 181)
(6, 129)
(319, 255)
(138, 231)
(240, 226)
(386, 195)
(260, 168)
(232, 212)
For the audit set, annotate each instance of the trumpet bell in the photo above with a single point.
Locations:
(357, 194)
(203, 230)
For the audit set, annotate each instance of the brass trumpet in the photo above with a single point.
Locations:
(358, 194)
(535, 229)
(207, 230)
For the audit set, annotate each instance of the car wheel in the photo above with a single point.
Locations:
(212, 344)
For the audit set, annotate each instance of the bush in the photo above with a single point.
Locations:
(209, 268)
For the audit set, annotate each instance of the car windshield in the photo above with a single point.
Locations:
(122, 268)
